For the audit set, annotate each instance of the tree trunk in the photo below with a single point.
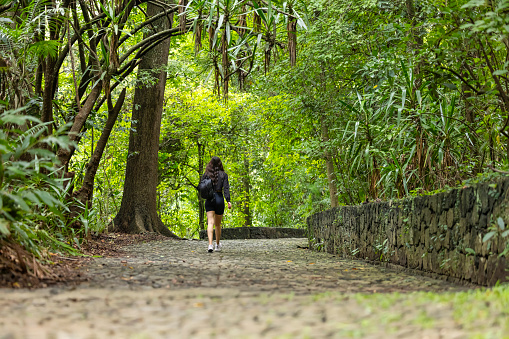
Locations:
(47, 97)
(248, 218)
(201, 169)
(64, 155)
(84, 194)
(50, 67)
(331, 175)
(138, 211)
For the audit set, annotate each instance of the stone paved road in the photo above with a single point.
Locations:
(252, 289)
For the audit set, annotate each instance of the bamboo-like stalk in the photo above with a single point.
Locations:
(225, 64)
(257, 22)
(182, 15)
(212, 31)
(292, 40)
(197, 36)
(242, 24)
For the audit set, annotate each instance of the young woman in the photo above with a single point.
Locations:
(215, 206)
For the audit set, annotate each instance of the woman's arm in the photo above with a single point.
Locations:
(226, 189)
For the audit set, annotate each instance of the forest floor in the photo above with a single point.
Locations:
(156, 288)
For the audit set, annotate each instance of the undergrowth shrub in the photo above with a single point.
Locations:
(32, 193)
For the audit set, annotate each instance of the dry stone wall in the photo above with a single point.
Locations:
(441, 234)
(258, 233)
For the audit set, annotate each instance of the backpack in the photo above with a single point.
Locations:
(205, 188)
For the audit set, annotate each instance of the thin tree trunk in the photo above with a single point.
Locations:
(292, 39)
(138, 211)
(64, 155)
(248, 218)
(84, 194)
(331, 175)
(48, 93)
(51, 69)
(201, 169)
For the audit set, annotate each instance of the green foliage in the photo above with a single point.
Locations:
(32, 196)
(410, 95)
(397, 97)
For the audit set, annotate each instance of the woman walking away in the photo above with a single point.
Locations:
(215, 205)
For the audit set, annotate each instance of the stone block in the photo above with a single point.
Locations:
(496, 270)
(450, 199)
(450, 218)
(478, 244)
(462, 226)
(442, 220)
(446, 239)
(433, 203)
(434, 264)
(486, 246)
(425, 262)
(426, 215)
(476, 214)
(459, 265)
(483, 221)
(482, 196)
(414, 258)
(416, 237)
(469, 267)
(436, 242)
(445, 262)
(480, 273)
(403, 257)
(258, 233)
(433, 224)
(422, 233)
(502, 243)
(427, 240)
(467, 201)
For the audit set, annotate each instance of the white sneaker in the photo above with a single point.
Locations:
(218, 247)
(211, 248)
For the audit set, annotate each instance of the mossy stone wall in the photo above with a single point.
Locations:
(440, 234)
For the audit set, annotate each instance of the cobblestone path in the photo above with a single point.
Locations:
(252, 289)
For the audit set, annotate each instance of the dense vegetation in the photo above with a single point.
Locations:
(310, 104)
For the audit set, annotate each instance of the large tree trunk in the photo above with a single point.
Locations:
(138, 211)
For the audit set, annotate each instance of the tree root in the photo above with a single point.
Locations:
(491, 167)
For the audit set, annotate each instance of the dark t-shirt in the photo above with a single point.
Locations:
(222, 184)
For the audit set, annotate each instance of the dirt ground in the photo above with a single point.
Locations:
(18, 269)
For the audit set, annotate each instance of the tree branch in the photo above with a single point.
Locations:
(462, 79)
(145, 23)
(250, 4)
(150, 41)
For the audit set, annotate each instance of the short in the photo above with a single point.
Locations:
(215, 204)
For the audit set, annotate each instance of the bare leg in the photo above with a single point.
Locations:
(210, 225)
(217, 220)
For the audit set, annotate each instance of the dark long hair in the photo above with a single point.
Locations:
(213, 167)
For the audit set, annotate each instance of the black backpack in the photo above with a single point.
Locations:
(206, 188)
